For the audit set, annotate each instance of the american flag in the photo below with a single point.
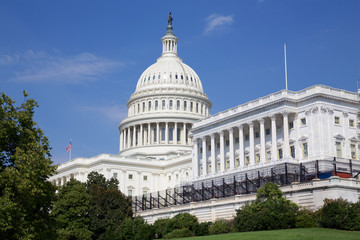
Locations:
(68, 148)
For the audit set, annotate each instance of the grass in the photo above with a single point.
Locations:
(287, 234)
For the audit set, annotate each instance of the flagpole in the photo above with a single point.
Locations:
(70, 151)
(286, 83)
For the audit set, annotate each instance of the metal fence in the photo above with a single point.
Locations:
(246, 182)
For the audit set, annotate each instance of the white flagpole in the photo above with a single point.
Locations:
(286, 83)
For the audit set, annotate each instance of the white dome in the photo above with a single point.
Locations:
(169, 72)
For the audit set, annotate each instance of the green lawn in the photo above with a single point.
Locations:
(292, 234)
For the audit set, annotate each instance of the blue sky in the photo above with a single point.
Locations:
(81, 60)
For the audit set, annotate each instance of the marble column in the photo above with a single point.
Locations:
(262, 141)
(149, 134)
(129, 138)
(157, 133)
(175, 136)
(184, 133)
(140, 143)
(134, 136)
(286, 149)
(213, 157)
(273, 138)
(195, 161)
(222, 152)
(166, 133)
(204, 162)
(251, 143)
(241, 146)
(231, 148)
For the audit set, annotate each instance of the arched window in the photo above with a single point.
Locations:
(170, 75)
(171, 132)
(156, 105)
(191, 106)
(178, 105)
(138, 108)
(154, 77)
(178, 134)
(197, 107)
(149, 106)
(170, 104)
(143, 109)
(175, 76)
(182, 77)
(185, 105)
(159, 76)
(163, 105)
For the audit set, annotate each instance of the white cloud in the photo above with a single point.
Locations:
(113, 113)
(216, 21)
(43, 67)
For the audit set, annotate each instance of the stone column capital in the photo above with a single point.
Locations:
(213, 136)
(241, 127)
(250, 123)
(261, 120)
(222, 133)
(231, 130)
(203, 138)
(272, 117)
(285, 113)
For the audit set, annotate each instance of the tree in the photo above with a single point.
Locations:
(26, 195)
(71, 210)
(108, 206)
(271, 210)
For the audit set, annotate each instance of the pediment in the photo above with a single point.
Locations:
(339, 136)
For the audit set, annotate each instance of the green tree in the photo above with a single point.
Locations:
(71, 211)
(26, 195)
(271, 210)
(108, 206)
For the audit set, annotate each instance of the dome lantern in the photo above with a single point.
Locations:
(169, 40)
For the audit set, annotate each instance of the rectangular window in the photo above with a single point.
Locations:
(227, 164)
(162, 134)
(338, 149)
(237, 163)
(268, 156)
(171, 133)
(185, 105)
(353, 151)
(337, 120)
(257, 135)
(280, 153)
(144, 193)
(237, 140)
(227, 143)
(351, 123)
(169, 177)
(129, 192)
(246, 137)
(155, 135)
(201, 171)
(257, 158)
(115, 175)
(305, 150)
(200, 149)
(303, 122)
(130, 176)
(209, 148)
(209, 169)
(218, 166)
(217, 145)
(292, 151)
(291, 125)
(267, 131)
(145, 178)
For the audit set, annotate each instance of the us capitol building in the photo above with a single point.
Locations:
(174, 156)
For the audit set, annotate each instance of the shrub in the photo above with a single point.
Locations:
(180, 221)
(340, 214)
(202, 229)
(179, 233)
(132, 229)
(305, 219)
(219, 226)
(159, 226)
(269, 211)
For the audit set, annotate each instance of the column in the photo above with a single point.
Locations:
(141, 135)
(129, 138)
(241, 146)
(231, 143)
(195, 160)
(175, 134)
(286, 145)
(121, 142)
(149, 134)
(262, 141)
(222, 156)
(157, 133)
(273, 138)
(204, 164)
(251, 141)
(134, 136)
(213, 157)
(185, 140)
(166, 133)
